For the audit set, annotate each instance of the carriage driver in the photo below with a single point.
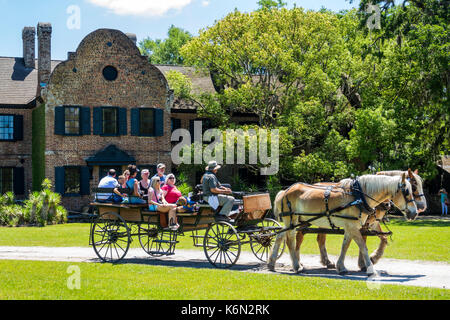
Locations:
(216, 194)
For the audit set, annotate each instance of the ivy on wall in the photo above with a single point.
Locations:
(38, 146)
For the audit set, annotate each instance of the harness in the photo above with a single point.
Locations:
(359, 201)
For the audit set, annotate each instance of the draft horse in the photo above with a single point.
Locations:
(303, 205)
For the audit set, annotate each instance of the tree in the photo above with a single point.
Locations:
(166, 51)
(270, 4)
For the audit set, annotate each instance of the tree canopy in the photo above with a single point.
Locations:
(346, 97)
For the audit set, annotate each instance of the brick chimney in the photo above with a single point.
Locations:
(29, 46)
(44, 32)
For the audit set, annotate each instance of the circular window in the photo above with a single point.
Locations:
(110, 73)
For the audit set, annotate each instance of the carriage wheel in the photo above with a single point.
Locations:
(110, 237)
(155, 242)
(262, 242)
(222, 245)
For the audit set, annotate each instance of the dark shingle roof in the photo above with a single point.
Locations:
(18, 84)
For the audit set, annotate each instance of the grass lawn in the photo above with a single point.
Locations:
(48, 280)
(416, 240)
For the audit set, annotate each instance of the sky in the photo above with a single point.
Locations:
(72, 20)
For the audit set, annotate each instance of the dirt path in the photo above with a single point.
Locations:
(390, 271)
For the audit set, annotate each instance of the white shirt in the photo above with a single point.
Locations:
(107, 182)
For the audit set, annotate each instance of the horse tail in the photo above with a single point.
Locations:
(277, 203)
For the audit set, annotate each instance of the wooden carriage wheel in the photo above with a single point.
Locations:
(222, 245)
(110, 237)
(156, 242)
(263, 239)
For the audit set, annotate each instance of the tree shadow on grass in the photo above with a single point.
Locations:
(421, 223)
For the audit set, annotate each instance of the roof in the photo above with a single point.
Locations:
(110, 155)
(18, 84)
(200, 78)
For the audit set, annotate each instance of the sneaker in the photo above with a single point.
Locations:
(174, 227)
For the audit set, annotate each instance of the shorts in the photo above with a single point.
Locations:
(153, 207)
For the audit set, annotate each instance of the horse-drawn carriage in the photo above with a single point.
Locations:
(116, 225)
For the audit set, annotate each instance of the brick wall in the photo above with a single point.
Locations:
(13, 153)
(80, 82)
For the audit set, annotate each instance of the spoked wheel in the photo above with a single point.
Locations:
(222, 245)
(157, 243)
(110, 237)
(263, 240)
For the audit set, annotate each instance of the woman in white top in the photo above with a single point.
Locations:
(157, 202)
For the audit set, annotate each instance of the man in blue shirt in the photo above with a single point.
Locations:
(107, 182)
(160, 169)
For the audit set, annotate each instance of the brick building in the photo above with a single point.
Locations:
(70, 121)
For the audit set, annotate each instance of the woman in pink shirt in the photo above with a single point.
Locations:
(157, 202)
(171, 192)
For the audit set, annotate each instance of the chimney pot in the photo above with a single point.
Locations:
(29, 46)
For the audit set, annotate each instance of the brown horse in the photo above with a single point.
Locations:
(373, 222)
(304, 199)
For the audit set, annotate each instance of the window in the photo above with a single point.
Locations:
(147, 122)
(110, 73)
(72, 120)
(6, 127)
(72, 180)
(110, 123)
(6, 180)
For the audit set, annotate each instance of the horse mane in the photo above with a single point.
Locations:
(371, 184)
(400, 172)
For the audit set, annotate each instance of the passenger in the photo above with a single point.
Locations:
(157, 202)
(126, 174)
(185, 204)
(215, 194)
(144, 184)
(107, 182)
(160, 169)
(171, 192)
(133, 184)
(118, 196)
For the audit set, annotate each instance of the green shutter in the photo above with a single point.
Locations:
(84, 183)
(19, 181)
(98, 121)
(60, 127)
(135, 123)
(122, 114)
(59, 180)
(159, 122)
(85, 121)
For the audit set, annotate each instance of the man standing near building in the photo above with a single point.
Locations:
(107, 182)
(216, 194)
(160, 169)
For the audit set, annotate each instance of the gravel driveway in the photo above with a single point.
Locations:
(390, 271)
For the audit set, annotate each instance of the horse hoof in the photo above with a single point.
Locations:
(363, 269)
(271, 268)
(331, 265)
(343, 273)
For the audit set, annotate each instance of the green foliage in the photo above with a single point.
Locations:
(271, 4)
(166, 51)
(41, 208)
(38, 146)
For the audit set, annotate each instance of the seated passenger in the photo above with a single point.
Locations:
(144, 184)
(160, 169)
(185, 204)
(171, 192)
(157, 202)
(133, 184)
(118, 195)
(107, 182)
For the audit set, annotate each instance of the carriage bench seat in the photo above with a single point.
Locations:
(118, 205)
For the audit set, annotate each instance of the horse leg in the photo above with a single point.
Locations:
(378, 253)
(290, 241)
(361, 264)
(321, 238)
(274, 251)
(340, 268)
(356, 235)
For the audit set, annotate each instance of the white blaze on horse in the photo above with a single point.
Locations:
(304, 204)
(373, 222)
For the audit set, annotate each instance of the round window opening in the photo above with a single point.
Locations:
(110, 73)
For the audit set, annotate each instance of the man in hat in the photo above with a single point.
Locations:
(160, 169)
(216, 194)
